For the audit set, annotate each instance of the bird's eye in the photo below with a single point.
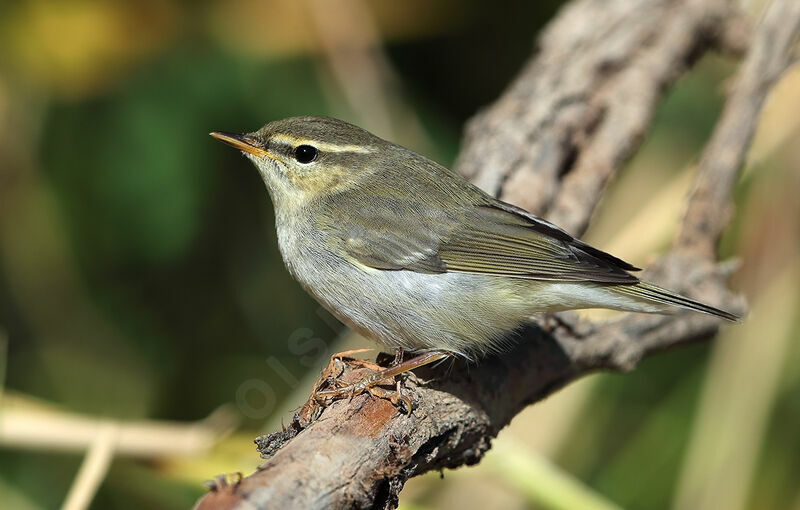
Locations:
(305, 153)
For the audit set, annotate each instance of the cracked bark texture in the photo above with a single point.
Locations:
(577, 111)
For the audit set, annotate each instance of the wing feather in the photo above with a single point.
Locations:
(504, 240)
(491, 237)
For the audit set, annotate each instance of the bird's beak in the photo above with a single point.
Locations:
(242, 142)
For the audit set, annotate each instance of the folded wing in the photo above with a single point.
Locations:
(488, 238)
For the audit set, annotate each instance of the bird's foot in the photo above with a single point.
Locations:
(371, 383)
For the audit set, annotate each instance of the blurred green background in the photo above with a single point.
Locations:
(146, 317)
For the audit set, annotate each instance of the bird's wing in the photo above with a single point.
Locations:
(385, 243)
(488, 238)
(501, 239)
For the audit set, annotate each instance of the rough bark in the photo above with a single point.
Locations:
(572, 117)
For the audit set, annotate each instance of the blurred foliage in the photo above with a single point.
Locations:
(139, 271)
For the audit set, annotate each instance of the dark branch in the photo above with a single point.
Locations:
(577, 111)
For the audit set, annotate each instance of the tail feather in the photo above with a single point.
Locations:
(650, 292)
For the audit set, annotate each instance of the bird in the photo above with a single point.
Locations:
(411, 255)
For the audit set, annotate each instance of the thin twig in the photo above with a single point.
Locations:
(93, 469)
(28, 425)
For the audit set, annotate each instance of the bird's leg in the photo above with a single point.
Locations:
(370, 382)
(398, 357)
(336, 366)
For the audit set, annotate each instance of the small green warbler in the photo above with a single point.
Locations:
(408, 253)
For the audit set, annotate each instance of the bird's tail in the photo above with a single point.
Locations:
(649, 292)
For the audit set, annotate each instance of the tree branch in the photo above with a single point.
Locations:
(708, 210)
(577, 111)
